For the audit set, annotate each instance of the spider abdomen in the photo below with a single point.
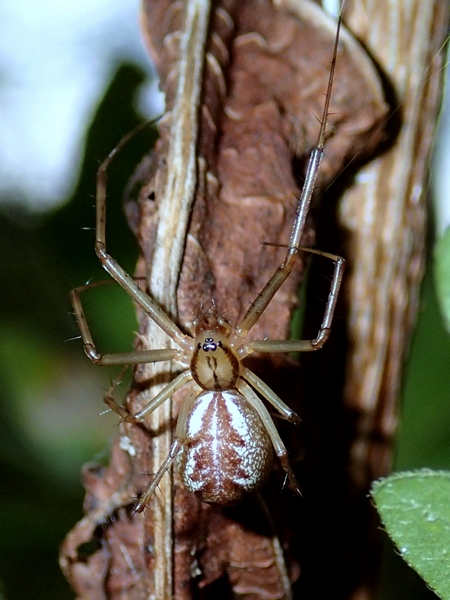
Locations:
(227, 451)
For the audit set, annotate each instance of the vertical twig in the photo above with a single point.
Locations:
(385, 217)
(174, 211)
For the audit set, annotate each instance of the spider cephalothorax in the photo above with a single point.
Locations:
(214, 364)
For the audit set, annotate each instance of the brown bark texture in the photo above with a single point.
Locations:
(215, 202)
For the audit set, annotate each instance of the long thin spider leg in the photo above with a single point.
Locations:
(147, 303)
(325, 328)
(143, 500)
(283, 271)
(109, 400)
(135, 357)
(164, 394)
(280, 448)
(269, 395)
(178, 440)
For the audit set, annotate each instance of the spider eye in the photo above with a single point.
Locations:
(219, 343)
(209, 345)
(199, 346)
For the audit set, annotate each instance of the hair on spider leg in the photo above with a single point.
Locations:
(213, 311)
(138, 506)
(75, 337)
(278, 417)
(284, 484)
(134, 510)
(108, 399)
(117, 380)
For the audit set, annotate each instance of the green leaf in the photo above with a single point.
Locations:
(415, 509)
(442, 275)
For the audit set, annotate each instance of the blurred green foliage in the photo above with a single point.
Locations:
(50, 392)
(442, 275)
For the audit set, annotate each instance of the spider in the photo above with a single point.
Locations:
(224, 434)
